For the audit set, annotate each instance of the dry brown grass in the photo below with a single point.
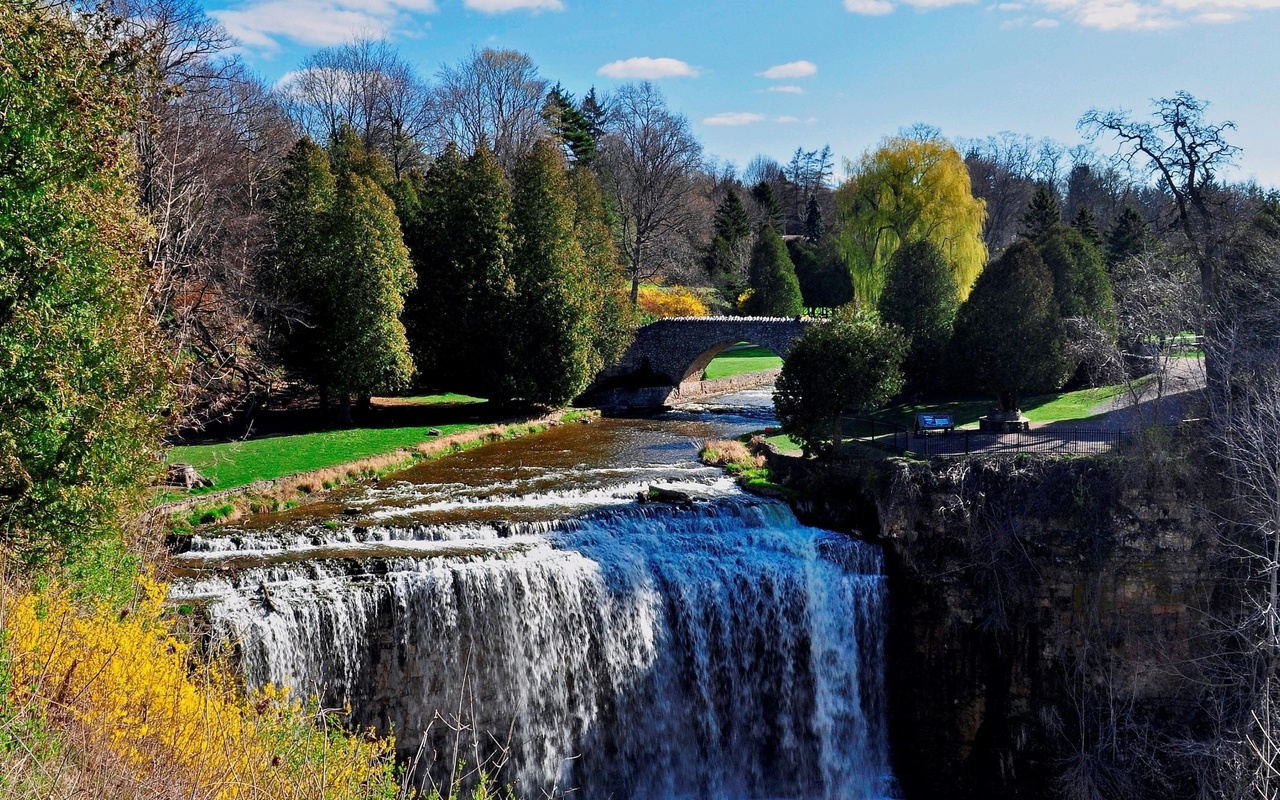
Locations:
(731, 454)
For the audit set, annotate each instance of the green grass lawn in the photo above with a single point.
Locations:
(739, 359)
(233, 464)
(1055, 407)
(449, 398)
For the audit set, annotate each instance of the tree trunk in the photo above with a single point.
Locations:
(836, 436)
(346, 409)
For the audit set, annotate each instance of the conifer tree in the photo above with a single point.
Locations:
(461, 242)
(920, 298)
(1009, 334)
(814, 227)
(366, 273)
(1087, 224)
(551, 324)
(1042, 214)
(1127, 237)
(341, 265)
(612, 315)
(821, 272)
(767, 200)
(725, 257)
(775, 292)
(570, 126)
(1080, 282)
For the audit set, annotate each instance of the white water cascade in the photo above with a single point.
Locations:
(721, 651)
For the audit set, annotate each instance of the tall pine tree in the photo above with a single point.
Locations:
(1127, 237)
(1042, 214)
(775, 291)
(726, 254)
(920, 298)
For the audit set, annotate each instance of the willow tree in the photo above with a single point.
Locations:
(83, 377)
(909, 189)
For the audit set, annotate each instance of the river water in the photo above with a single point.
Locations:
(516, 607)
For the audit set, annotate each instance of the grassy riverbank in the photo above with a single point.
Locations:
(740, 359)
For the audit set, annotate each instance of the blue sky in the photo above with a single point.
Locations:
(764, 76)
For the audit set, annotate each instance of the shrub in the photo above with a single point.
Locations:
(674, 301)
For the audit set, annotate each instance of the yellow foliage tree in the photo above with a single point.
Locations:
(909, 189)
(673, 301)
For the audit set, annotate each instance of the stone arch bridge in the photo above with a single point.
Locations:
(664, 364)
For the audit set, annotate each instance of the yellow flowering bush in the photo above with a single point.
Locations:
(673, 301)
(126, 684)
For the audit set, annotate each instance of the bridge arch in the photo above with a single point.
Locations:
(665, 362)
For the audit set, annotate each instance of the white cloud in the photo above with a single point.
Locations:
(260, 23)
(871, 8)
(733, 118)
(793, 69)
(646, 68)
(505, 6)
(1217, 17)
(788, 89)
(1045, 23)
(1010, 7)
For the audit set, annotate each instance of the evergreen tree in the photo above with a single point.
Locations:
(595, 113)
(725, 256)
(84, 380)
(570, 126)
(1127, 237)
(765, 198)
(304, 195)
(612, 316)
(341, 265)
(1080, 282)
(1009, 334)
(551, 327)
(814, 227)
(821, 272)
(1087, 224)
(775, 292)
(920, 298)
(1042, 214)
(851, 362)
(359, 338)
(461, 243)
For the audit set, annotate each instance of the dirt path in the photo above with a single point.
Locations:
(1177, 400)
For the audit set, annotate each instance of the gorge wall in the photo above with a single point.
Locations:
(1056, 624)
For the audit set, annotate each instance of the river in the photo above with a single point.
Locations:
(516, 607)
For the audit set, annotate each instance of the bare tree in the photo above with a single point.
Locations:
(651, 162)
(366, 86)
(492, 97)
(1005, 170)
(209, 138)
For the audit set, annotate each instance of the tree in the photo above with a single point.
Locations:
(1080, 282)
(1043, 213)
(461, 242)
(821, 272)
(1009, 334)
(850, 361)
(1183, 151)
(1127, 237)
(775, 292)
(551, 336)
(920, 298)
(570, 126)
(348, 276)
(1005, 170)
(767, 200)
(1085, 222)
(727, 252)
(612, 317)
(492, 98)
(649, 162)
(814, 227)
(906, 190)
(85, 379)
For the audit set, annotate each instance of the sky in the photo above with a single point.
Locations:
(767, 76)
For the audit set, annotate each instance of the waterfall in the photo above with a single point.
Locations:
(639, 651)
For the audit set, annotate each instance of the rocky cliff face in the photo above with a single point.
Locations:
(1054, 622)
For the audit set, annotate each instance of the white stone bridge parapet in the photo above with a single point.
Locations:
(664, 364)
